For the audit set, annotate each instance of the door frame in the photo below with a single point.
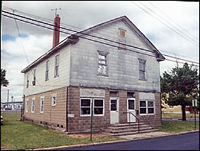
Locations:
(132, 118)
(117, 112)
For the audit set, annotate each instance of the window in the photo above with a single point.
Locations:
(102, 64)
(41, 104)
(147, 107)
(26, 105)
(53, 100)
(113, 105)
(47, 71)
(122, 33)
(34, 77)
(122, 39)
(85, 106)
(27, 82)
(33, 105)
(98, 107)
(131, 104)
(142, 69)
(56, 66)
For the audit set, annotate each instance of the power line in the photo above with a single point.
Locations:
(167, 25)
(85, 34)
(172, 20)
(80, 28)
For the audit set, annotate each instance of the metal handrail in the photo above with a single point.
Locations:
(136, 118)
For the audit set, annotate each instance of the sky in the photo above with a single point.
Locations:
(172, 26)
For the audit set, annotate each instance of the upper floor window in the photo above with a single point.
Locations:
(47, 71)
(142, 64)
(56, 66)
(34, 77)
(27, 80)
(122, 33)
(122, 39)
(102, 63)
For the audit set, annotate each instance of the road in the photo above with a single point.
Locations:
(187, 141)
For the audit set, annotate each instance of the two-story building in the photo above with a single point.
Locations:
(107, 70)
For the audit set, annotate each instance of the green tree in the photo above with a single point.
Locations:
(180, 87)
(4, 81)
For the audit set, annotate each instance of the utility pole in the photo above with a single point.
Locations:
(7, 98)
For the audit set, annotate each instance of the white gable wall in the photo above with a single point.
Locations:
(52, 83)
(123, 65)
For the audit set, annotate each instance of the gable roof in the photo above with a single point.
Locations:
(75, 37)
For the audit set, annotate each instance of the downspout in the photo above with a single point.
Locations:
(67, 98)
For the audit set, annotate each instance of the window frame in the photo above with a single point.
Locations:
(47, 71)
(26, 105)
(42, 105)
(147, 107)
(82, 115)
(92, 100)
(102, 65)
(120, 30)
(98, 107)
(34, 77)
(27, 80)
(142, 69)
(33, 105)
(56, 69)
(52, 102)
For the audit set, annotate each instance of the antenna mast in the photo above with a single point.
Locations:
(55, 10)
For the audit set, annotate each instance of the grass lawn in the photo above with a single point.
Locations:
(20, 135)
(16, 135)
(178, 116)
(178, 126)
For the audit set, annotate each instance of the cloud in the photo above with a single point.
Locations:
(17, 52)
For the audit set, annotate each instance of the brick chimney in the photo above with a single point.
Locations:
(56, 32)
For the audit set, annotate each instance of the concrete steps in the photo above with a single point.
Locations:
(128, 129)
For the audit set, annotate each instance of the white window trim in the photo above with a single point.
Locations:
(80, 107)
(47, 63)
(33, 100)
(27, 80)
(42, 97)
(58, 55)
(26, 105)
(34, 77)
(147, 107)
(103, 53)
(141, 79)
(103, 107)
(134, 103)
(92, 99)
(54, 95)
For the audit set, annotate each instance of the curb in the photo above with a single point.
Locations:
(110, 142)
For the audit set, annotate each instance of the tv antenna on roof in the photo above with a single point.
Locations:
(55, 10)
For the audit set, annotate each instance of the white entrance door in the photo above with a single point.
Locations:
(114, 111)
(131, 108)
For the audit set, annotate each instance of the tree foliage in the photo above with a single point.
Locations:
(4, 81)
(180, 87)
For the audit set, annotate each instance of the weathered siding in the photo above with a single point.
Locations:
(123, 65)
(52, 115)
(52, 83)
